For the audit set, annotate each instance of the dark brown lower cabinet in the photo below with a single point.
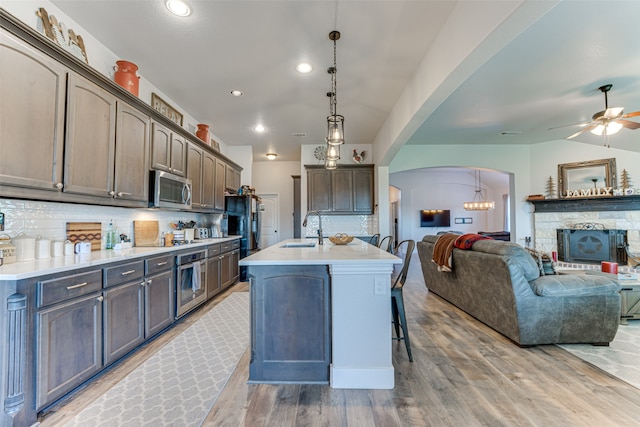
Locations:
(290, 324)
(158, 303)
(69, 346)
(123, 320)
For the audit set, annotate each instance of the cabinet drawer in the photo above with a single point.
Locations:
(235, 244)
(123, 273)
(67, 287)
(213, 251)
(229, 246)
(159, 263)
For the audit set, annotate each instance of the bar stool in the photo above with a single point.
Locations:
(397, 302)
(374, 239)
(386, 244)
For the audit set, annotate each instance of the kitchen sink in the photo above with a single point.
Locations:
(299, 245)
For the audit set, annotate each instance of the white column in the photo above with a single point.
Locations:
(361, 326)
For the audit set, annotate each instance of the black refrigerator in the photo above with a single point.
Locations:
(243, 216)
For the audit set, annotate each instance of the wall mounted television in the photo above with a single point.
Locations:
(435, 218)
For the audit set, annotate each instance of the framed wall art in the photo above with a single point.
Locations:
(165, 109)
(589, 178)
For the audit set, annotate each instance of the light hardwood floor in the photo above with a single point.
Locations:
(463, 374)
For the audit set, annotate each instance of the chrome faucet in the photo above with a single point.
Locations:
(304, 224)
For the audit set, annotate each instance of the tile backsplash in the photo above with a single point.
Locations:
(354, 225)
(49, 220)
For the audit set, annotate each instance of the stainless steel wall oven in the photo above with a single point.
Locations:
(191, 274)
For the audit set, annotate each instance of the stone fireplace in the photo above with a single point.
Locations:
(613, 214)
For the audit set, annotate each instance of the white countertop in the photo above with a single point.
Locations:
(327, 253)
(40, 267)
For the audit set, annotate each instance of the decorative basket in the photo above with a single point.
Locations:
(340, 239)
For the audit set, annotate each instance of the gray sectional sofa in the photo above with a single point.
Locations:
(499, 283)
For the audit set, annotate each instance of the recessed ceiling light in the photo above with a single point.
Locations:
(259, 128)
(178, 7)
(236, 92)
(304, 68)
(271, 156)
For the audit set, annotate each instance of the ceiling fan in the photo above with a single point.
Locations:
(608, 121)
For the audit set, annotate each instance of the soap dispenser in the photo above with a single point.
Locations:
(111, 236)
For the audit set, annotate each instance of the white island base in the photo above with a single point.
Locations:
(359, 328)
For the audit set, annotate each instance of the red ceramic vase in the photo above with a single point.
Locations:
(203, 133)
(126, 77)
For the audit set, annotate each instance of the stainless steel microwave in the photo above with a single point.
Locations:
(169, 191)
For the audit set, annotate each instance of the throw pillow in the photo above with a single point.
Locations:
(545, 264)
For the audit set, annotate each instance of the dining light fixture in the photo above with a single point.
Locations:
(478, 203)
(271, 156)
(335, 121)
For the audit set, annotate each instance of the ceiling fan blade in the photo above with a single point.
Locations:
(629, 124)
(587, 129)
(575, 124)
(634, 114)
(612, 113)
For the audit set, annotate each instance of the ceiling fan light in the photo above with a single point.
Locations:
(598, 130)
(613, 127)
(608, 129)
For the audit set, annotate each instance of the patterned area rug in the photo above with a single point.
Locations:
(166, 391)
(620, 359)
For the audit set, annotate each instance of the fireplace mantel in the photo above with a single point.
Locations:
(588, 204)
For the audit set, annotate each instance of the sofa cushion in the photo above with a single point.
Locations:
(573, 285)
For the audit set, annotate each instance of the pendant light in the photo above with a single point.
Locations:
(335, 121)
(478, 203)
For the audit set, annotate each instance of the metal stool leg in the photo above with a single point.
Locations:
(397, 298)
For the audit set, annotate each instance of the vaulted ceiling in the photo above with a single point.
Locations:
(545, 76)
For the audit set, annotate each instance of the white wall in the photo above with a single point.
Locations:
(274, 177)
(435, 188)
(512, 159)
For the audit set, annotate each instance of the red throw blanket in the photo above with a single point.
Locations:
(466, 241)
(443, 248)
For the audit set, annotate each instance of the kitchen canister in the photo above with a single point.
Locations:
(43, 248)
(25, 247)
(69, 248)
(57, 248)
(7, 251)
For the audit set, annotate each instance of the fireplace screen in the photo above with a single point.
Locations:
(592, 245)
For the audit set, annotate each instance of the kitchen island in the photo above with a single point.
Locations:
(321, 314)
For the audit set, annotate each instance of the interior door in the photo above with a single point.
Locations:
(270, 220)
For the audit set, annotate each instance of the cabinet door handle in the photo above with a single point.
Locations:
(59, 186)
(79, 285)
(148, 282)
(161, 263)
(112, 193)
(122, 193)
(100, 298)
(124, 273)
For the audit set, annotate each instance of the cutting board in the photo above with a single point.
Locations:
(146, 233)
(85, 232)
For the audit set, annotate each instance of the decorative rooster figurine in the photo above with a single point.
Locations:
(358, 158)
